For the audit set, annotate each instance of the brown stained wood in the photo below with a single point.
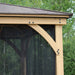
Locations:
(21, 15)
(13, 9)
(59, 58)
(22, 20)
(45, 35)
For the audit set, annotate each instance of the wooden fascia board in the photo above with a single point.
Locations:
(23, 20)
(23, 15)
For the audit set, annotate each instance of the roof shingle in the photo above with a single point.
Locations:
(14, 9)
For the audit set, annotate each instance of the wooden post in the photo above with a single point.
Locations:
(59, 58)
(23, 57)
(23, 65)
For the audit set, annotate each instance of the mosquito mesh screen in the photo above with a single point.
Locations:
(20, 44)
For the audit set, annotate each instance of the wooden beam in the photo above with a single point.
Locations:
(22, 20)
(23, 15)
(24, 47)
(23, 51)
(59, 58)
(23, 65)
(45, 35)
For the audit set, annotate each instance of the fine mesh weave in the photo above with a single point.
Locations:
(21, 42)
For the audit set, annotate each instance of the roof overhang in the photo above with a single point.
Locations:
(11, 14)
(34, 15)
(20, 10)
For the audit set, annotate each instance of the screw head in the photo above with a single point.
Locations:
(59, 20)
(29, 22)
(58, 51)
(32, 22)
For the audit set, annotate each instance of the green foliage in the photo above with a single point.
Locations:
(69, 47)
(68, 30)
(69, 55)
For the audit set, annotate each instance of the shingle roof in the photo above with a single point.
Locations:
(13, 9)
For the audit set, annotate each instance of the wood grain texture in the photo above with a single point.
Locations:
(22, 20)
(59, 58)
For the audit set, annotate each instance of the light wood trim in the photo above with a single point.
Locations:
(21, 15)
(45, 35)
(22, 20)
(59, 58)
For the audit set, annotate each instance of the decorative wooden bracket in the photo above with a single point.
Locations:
(46, 36)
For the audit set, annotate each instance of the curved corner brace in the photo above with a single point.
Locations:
(45, 35)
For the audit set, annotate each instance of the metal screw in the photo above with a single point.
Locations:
(29, 22)
(32, 22)
(58, 51)
(59, 20)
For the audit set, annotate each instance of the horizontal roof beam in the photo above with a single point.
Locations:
(22, 20)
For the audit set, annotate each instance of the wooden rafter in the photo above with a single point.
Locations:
(45, 35)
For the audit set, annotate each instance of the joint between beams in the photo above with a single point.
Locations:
(46, 36)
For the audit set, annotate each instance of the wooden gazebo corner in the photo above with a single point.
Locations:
(11, 15)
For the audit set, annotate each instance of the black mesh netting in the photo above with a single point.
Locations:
(20, 44)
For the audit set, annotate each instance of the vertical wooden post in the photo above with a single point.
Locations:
(59, 57)
(24, 65)
(23, 57)
(4, 59)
